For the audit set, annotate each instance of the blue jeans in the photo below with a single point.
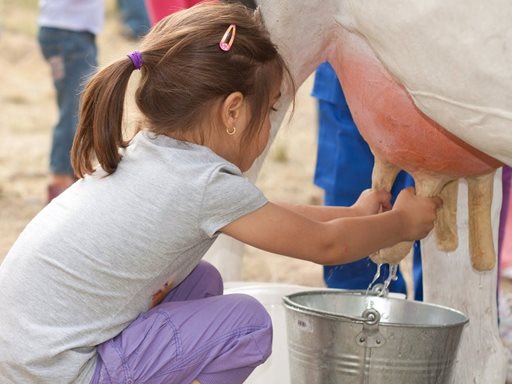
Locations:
(72, 59)
(134, 16)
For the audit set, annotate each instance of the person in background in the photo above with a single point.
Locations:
(106, 283)
(343, 170)
(158, 9)
(134, 18)
(67, 38)
(505, 232)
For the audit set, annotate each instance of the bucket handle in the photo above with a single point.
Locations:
(370, 316)
(370, 337)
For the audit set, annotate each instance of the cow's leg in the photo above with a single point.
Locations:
(449, 279)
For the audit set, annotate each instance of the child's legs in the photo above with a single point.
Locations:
(218, 339)
(72, 57)
(215, 340)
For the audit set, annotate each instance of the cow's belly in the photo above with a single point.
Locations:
(392, 125)
(402, 137)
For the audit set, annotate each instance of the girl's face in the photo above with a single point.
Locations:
(249, 153)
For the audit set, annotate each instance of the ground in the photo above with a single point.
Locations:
(28, 112)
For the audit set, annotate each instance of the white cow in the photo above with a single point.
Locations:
(453, 61)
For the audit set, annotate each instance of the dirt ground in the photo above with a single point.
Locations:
(28, 112)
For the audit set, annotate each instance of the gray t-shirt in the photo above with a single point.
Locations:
(97, 256)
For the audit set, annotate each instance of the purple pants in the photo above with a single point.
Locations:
(196, 333)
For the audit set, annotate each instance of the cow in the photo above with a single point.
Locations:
(429, 84)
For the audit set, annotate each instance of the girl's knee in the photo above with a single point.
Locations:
(262, 336)
(208, 273)
(260, 313)
(251, 308)
(255, 324)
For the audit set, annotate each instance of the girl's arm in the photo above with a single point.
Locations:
(319, 212)
(279, 230)
(369, 203)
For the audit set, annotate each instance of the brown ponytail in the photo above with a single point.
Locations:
(99, 134)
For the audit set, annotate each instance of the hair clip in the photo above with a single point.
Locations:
(224, 44)
(136, 58)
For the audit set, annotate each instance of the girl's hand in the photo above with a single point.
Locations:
(371, 202)
(418, 213)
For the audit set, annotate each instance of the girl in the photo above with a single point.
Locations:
(105, 285)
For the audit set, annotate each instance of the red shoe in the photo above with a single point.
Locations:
(54, 191)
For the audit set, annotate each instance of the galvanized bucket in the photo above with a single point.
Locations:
(347, 337)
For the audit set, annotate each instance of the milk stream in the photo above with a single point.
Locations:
(393, 271)
(384, 290)
(375, 278)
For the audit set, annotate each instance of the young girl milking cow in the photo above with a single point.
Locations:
(106, 284)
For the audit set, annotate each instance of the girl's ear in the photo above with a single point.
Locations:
(231, 108)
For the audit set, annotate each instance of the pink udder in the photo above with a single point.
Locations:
(396, 129)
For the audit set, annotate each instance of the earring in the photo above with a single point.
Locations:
(232, 131)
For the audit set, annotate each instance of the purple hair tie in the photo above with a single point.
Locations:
(136, 58)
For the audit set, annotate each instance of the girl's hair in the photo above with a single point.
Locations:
(183, 74)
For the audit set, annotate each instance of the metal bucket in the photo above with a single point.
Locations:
(347, 337)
